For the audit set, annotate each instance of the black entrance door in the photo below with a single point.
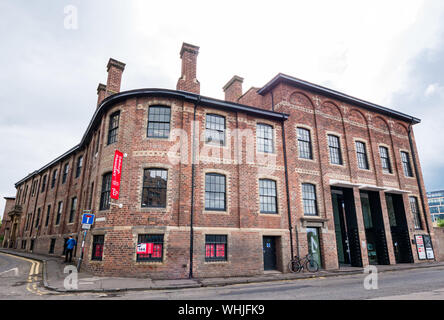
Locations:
(399, 228)
(269, 248)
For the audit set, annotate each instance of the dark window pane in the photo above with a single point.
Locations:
(154, 189)
(159, 122)
(97, 249)
(157, 242)
(106, 190)
(264, 138)
(215, 247)
(267, 196)
(215, 129)
(335, 150)
(304, 144)
(385, 160)
(406, 164)
(415, 212)
(215, 192)
(309, 199)
(113, 127)
(361, 154)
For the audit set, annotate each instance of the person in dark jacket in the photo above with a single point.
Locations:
(70, 244)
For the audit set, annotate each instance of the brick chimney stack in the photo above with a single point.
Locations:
(187, 80)
(115, 70)
(101, 91)
(233, 89)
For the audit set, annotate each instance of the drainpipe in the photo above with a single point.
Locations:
(417, 179)
(290, 228)
(190, 276)
(290, 224)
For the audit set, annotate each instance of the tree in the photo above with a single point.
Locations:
(440, 223)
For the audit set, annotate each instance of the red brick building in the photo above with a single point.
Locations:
(231, 187)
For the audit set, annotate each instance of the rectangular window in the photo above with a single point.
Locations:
(361, 154)
(415, 212)
(38, 218)
(52, 246)
(215, 192)
(79, 166)
(159, 122)
(113, 127)
(96, 148)
(334, 149)
(264, 138)
(26, 193)
(267, 196)
(215, 129)
(406, 164)
(72, 212)
(28, 221)
(304, 144)
(156, 240)
(54, 178)
(34, 185)
(385, 160)
(106, 191)
(44, 183)
(215, 247)
(65, 173)
(48, 212)
(97, 247)
(154, 191)
(59, 212)
(309, 199)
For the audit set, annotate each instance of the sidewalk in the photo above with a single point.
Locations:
(54, 277)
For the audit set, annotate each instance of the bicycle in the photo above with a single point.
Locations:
(307, 263)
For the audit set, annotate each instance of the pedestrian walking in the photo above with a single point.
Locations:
(70, 244)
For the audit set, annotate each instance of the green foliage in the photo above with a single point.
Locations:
(440, 223)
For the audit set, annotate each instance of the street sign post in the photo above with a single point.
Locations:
(87, 221)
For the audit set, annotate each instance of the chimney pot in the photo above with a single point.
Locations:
(101, 92)
(188, 81)
(115, 69)
(233, 89)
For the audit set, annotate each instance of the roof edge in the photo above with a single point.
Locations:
(335, 94)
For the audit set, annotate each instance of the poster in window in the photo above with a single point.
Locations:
(420, 247)
(428, 247)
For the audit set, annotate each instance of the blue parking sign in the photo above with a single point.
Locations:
(87, 218)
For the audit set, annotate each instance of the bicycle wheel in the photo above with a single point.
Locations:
(294, 266)
(312, 266)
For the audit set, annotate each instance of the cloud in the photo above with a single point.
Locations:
(386, 52)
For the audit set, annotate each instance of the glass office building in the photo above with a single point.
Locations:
(436, 204)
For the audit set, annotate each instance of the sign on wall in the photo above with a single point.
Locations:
(117, 171)
(145, 248)
(428, 247)
(420, 247)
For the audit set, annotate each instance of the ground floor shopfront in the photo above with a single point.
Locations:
(371, 227)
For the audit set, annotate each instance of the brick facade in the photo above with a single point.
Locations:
(285, 105)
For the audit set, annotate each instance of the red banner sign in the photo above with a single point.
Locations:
(117, 171)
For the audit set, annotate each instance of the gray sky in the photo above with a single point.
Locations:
(387, 52)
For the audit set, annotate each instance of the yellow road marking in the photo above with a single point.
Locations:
(33, 271)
